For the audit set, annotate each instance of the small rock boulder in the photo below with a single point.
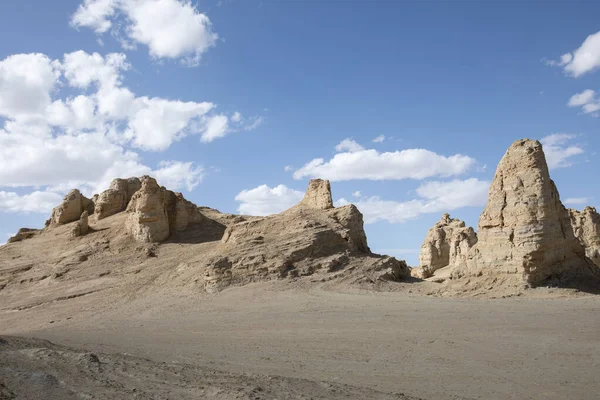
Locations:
(81, 228)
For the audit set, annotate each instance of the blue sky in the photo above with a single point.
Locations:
(229, 102)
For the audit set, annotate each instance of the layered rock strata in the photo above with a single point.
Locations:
(524, 230)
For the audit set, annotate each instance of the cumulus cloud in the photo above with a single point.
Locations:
(172, 29)
(435, 197)
(373, 165)
(26, 81)
(264, 200)
(71, 123)
(557, 150)
(348, 145)
(576, 200)
(584, 59)
(379, 139)
(175, 175)
(38, 202)
(587, 100)
(356, 193)
(150, 123)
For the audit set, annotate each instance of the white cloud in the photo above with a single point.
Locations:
(587, 100)
(356, 193)
(236, 117)
(175, 175)
(39, 202)
(379, 139)
(370, 164)
(253, 123)
(435, 197)
(151, 123)
(216, 127)
(264, 200)
(584, 59)
(558, 152)
(84, 139)
(348, 145)
(576, 200)
(156, 122)
(172, 29)
(288, 168)
(95, 14)
(26, 81)
(82, 69)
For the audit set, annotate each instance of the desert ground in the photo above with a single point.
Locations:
(282, 340)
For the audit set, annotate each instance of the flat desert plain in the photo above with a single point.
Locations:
(280, 341)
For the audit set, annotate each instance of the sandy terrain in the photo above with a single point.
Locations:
(426, 347)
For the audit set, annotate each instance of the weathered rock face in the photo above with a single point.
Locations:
(148, 220)
(318, 195)
(310, 238)
(116, 198)
(586, 228)
(71, 208)
(181, 212)
(81, 228)
(157, 213)
(446, 243)
(524, 230)
(23, 234)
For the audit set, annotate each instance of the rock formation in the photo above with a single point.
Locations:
(586, 228)
(156, 213)
(524, 230)
(148, 220)
(310, 237)
(81, 228)
(180, 212)
(116, 197)
(318, 195)
(24, 233)
(71, 208)
(446, 243)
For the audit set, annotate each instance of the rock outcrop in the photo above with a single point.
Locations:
(23, 234)
(71, 208)
(156, 213)
(148, 220)
(586, 228)
(310, 238)
(116, 198)
(446, 243)
(180, 212)
(318, 195)
(81, 228)
(524, 231)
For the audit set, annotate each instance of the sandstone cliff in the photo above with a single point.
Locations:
(524, 231)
